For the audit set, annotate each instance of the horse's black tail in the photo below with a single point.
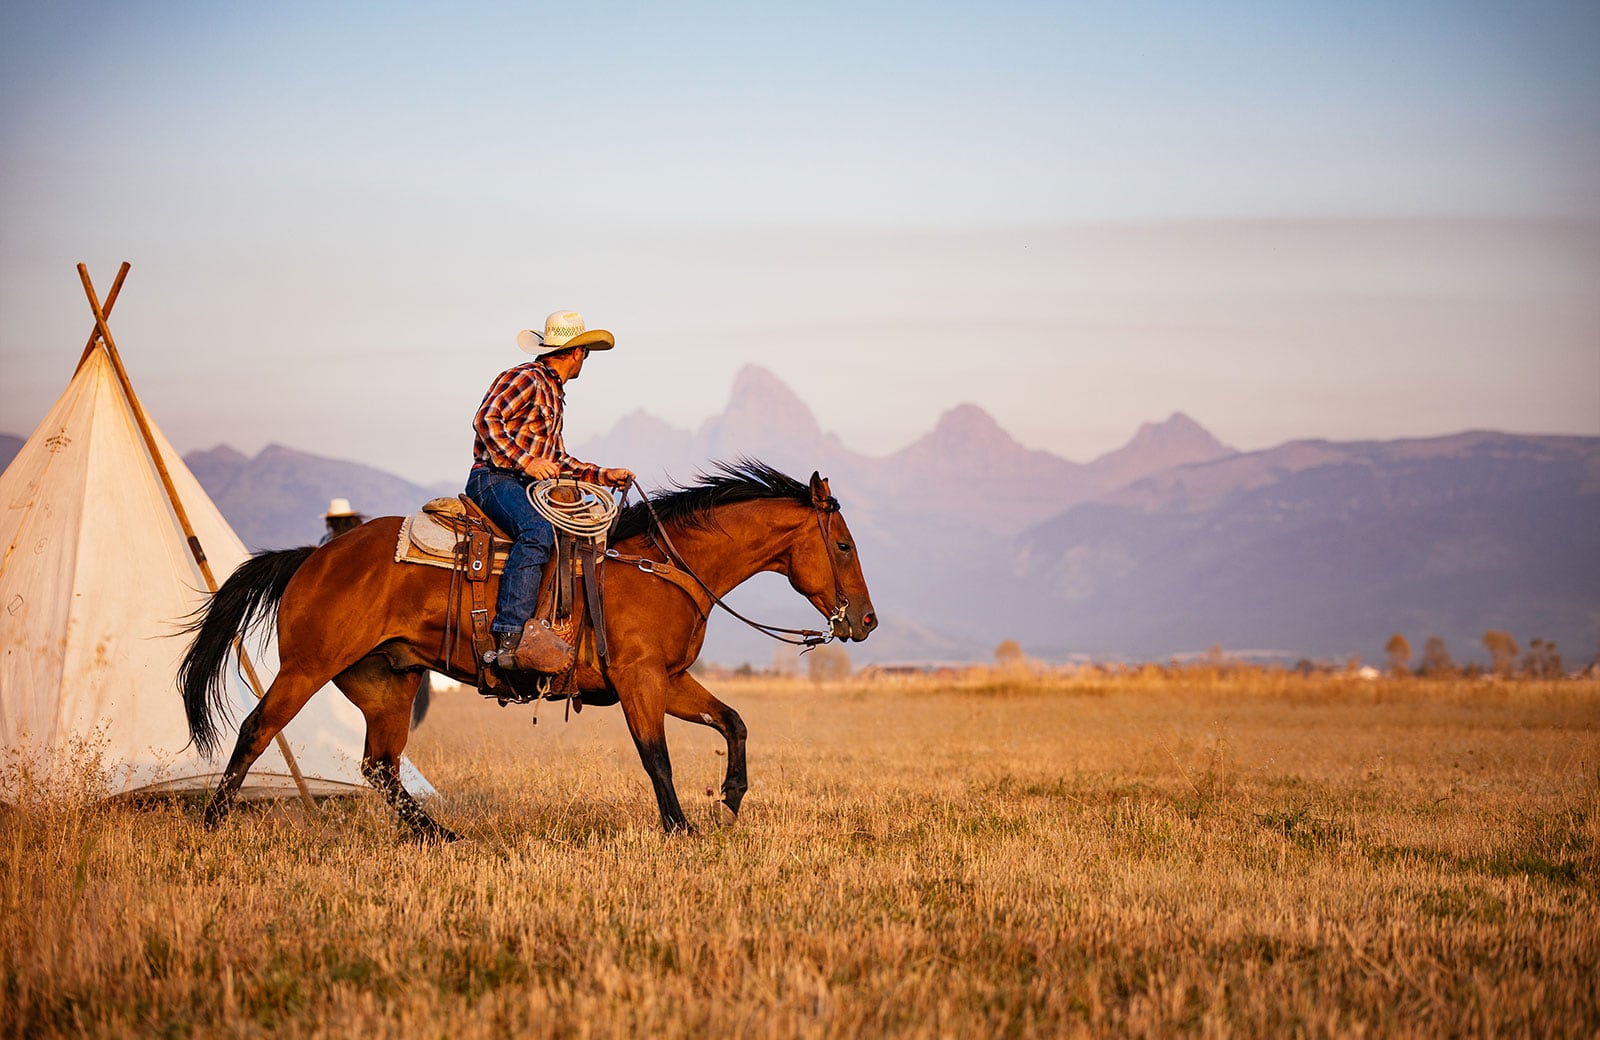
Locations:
(249, 595)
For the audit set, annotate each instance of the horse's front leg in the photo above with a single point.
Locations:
(643, 692)
(692, 702)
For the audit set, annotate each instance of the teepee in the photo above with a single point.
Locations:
(110, 543)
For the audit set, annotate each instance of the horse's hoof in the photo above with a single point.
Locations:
(724, 815)
(435, 835)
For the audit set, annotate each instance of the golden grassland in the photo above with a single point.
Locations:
(1247, 854)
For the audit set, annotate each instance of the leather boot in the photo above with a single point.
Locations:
(505, 655)
(541, 650)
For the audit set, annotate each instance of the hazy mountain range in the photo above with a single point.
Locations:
(1173, 543)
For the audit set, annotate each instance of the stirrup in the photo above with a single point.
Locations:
(540, 650)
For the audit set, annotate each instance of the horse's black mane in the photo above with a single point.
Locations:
(692, 505)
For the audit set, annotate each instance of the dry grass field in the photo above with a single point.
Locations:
(1255, 855)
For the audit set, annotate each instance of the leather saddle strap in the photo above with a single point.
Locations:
(478, 554)
(565, 560)
(664, 570)
(594, 597)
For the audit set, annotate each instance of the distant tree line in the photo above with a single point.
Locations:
(825, 663)
(1541, 661)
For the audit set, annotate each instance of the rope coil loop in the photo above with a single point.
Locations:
(575, 507)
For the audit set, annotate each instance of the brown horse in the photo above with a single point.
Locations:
(346, 612)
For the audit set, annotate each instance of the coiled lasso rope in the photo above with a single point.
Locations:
(587, 515)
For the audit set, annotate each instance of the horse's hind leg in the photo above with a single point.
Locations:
(384, 697)
(283, 700)
(688, 700)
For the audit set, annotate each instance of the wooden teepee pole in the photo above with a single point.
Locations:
(111, 301)
(104, 334)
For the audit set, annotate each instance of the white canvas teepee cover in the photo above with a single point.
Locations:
(96, 580)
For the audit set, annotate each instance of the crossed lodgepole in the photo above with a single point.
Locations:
(102, 334)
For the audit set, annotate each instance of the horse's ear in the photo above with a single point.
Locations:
(819, 490)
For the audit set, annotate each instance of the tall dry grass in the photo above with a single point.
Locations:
(1214, 855)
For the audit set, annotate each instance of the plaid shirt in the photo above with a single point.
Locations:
(520, 419)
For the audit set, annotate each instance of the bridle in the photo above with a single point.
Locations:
(809, 637)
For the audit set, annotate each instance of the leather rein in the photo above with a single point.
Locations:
(808, 637)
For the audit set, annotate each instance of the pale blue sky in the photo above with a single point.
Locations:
(1289, 220)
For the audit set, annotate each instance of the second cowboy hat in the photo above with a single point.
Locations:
(563, 330)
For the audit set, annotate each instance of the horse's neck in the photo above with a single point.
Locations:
(747, 544)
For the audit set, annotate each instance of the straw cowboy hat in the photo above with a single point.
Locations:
(339, 507)
(564, 330)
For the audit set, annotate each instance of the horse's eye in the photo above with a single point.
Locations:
(844, 547)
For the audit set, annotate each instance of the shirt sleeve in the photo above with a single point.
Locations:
(581, 470)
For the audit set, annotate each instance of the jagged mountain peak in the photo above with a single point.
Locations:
(641, 421)
(968, 420)
(968, 448)
(970, 430)
(1175, 441)
(1177, 429)
(222, 454)
(753, 380)
(761, 404)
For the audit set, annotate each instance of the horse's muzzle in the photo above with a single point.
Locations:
(856, 623)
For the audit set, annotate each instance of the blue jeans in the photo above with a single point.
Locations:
(503, 497)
